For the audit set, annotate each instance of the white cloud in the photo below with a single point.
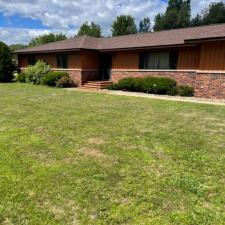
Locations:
(12, 35)
(68, 15)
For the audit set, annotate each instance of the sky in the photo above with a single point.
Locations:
(21, 20)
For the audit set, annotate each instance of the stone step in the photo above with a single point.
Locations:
(96, 84)
(99, 82)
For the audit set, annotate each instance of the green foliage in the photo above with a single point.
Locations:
(93, 30)
(7, 66)
(145, 25)
(215, 13)
(153, 85)
(51, 78)
(177, 15)
(196, 21)
(185, 91)
(36, 73)
(115, 86)
(15, 47)
(65, 82)
(46, 38)
(124, 25)
(21, 77)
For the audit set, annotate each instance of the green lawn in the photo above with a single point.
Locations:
(87, 158)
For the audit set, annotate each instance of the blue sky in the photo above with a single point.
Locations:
(20, 20)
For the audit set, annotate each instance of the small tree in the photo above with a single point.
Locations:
(7, 66)
(93, 30)
(46, 38)
(124, 25)
(145, 25)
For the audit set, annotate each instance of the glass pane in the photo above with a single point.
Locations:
(164, 60)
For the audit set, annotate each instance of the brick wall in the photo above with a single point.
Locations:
(75, 75)
(82, 76)
(206, 85)
(89, 75)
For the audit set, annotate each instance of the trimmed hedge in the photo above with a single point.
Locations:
(185, 91)
(152, 85)
(51, 78)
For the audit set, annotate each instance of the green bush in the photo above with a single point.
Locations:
(52, 77)
(7, 66)
(65, 82)
(113, 87)
(21, 77)
(36, 73)
(185, 91)
(154, 85)
(157, 85)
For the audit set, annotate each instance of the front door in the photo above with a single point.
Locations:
(105, 66)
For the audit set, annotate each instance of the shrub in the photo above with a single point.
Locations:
(186, 91)
(158, 85)
(65, 82)
(36, 73)
(21, 77)
(154, 85)
(7, 66)
(113, 87)
(52, 77)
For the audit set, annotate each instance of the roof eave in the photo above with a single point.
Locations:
(200, 40)
(148, 47)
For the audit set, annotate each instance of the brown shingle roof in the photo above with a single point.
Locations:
(154, 39)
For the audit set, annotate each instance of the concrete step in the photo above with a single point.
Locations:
(96, 84)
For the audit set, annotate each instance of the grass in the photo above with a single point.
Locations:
(87, 158)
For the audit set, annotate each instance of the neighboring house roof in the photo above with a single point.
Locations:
(150, 40)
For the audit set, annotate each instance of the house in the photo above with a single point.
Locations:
(191, 56)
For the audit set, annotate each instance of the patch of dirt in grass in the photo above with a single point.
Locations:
(97, 154)
(96, 140)
(44, 157)
(63, 210)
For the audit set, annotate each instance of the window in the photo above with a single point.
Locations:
(158, 60)
(62, 61)
(32, 60)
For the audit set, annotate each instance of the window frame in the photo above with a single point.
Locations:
(173, 60)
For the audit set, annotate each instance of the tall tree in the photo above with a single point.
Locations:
(6, 63)
(145, 25)
(124, 25)
(177, 15)
(196, 21)
(93, 30)
(46, 38)
(214, 14)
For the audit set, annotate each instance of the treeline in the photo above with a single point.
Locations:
(177, 15)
